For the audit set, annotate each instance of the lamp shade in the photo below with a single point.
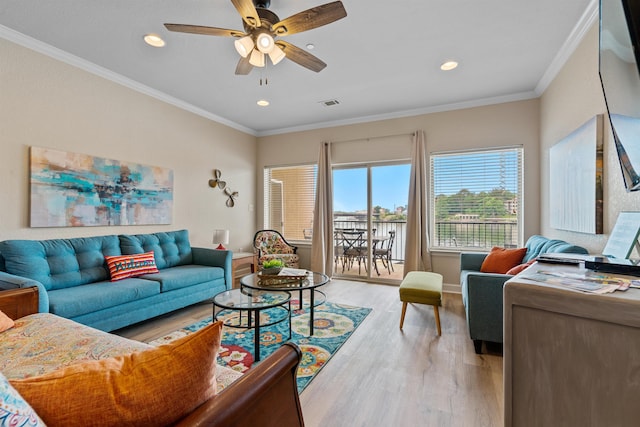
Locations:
(257, 58)
(221, 237)
(264, 42)
(276, 55)
(244, 46)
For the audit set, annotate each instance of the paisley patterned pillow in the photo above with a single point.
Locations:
(14, 410)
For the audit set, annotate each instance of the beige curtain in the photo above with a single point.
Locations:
(416, 252)
(322, 239)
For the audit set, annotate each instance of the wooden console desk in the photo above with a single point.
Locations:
(20, 302)
(570, 358)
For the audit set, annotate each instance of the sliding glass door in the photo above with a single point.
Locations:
(370, 204)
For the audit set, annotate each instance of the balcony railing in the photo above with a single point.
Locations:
(448, 234)
(476, 234)
(381, 228)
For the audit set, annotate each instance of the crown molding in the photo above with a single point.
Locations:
(588, 18)
(407, 113)
(90, 67)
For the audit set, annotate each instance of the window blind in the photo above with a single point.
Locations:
(289, 198)
(476, 198)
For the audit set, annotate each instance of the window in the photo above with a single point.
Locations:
(475, 199)
(289, 198)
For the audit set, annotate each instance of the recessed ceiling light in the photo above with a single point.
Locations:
(448, 66)
(263, 102)
(154, 40)
(310, 46)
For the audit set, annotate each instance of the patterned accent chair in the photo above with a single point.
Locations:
(269, 244)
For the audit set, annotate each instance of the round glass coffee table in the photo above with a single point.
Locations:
(311, 282)
(252, 301)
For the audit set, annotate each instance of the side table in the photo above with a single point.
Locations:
(253, 302)
(240, 259)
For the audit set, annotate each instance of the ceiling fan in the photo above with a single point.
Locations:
(261, 27)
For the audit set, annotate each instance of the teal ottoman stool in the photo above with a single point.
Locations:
(422, 287)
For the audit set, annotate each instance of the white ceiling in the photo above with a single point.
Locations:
(383, 58)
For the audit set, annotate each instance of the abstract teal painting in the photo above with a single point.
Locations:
(79, 190)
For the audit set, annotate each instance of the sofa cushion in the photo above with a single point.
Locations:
(184, 276)
(60, 263)
(170, 248)
(153, 387)
(123, 266)
(73, 302)
(501, 260)
(538, 245)
(14, 410)
(43, 342)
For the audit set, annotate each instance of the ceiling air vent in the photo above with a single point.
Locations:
(330, 102)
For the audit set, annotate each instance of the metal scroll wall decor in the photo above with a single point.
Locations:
(217, 181)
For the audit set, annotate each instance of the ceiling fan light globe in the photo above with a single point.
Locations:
(276, 55)
(244, 46)
(265, 43)
(257, 58)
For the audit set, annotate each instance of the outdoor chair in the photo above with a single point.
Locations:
(383, 253)
(353, 249)
(270, 244)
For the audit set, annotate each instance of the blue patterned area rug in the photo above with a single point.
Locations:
(334, 324)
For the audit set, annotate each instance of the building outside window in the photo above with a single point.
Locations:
(289, 197)
(475, 199)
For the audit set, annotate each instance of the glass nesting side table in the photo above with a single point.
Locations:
(249, 303)
(311, 281)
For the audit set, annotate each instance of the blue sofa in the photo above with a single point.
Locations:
(482, 292)
(73, 279)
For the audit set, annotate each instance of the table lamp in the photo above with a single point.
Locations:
(222, 238)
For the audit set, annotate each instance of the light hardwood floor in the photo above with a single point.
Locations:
(383, 376)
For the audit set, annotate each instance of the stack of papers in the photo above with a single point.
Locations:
(587, 281)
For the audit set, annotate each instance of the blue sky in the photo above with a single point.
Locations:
(475, 172)
(390, 187)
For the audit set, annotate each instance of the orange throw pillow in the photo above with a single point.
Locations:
(5, 322)
(501, 260)
(158, 386)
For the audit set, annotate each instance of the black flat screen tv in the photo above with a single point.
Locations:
(619, 68)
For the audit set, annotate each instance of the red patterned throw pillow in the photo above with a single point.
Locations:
(123, 266)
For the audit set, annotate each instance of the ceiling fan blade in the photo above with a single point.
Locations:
(248, 11)
(301, 57)
(207, 31)
(244, 67)
(311, 18)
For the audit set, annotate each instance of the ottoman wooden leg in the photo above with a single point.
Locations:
(404, 310)
(437, 316)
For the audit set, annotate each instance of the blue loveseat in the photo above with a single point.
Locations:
(482, 292)
(73, 279)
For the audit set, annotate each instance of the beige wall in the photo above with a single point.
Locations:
(574, 97)
(508, 124)
(47, 103)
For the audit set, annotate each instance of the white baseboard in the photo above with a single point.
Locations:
(451, 288)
